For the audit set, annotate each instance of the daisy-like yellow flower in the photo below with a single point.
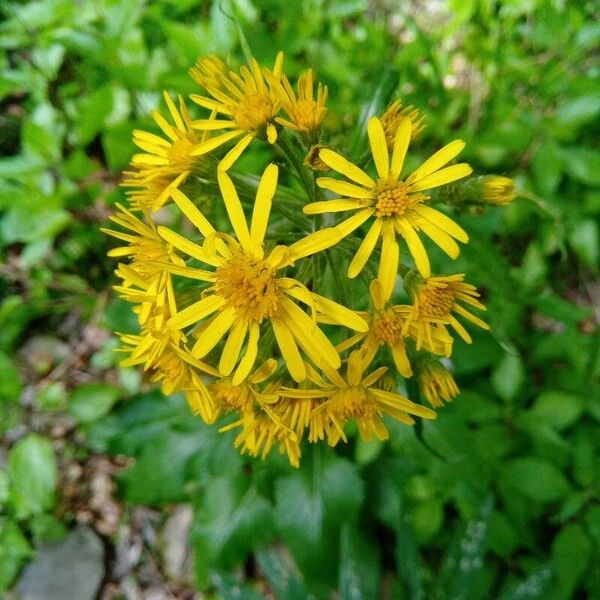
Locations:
(357, 398)
(396, 206)
(144, 245)
(244, 290)
(435, 300)
(166, 161)
(209, 71)
(248, 104)
(499, 190)
(436, 383)
(387, 327)
(305, 112)
(394, 114)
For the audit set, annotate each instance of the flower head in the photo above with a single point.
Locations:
(246, 102)
(394, 114)
(246, 289)
(166, 161)
(396, 206)
(305, 112)
(497, 189)
(435, 302)
(356, 397)
(436, 383)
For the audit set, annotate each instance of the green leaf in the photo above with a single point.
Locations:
(584, 238)
(571, 550)
(10, 382)
(508, 376)
(535, 478)
(91, 401)
(33, 474)
(14, 551)
(283, 578)
(359, 565)
(230, 588)
(559, 409)
(583, 164)
(232, 520)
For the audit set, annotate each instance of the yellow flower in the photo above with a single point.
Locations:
(244, 290)
(248, 104)
(396, 205)
(166, 161)
(436, 383)
(394, 114)
(498, 190)
(209, 71)
(357, 398)
(144, 245)
(305, 112)
(435, 299)
(388, 327)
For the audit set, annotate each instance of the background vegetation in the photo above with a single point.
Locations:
(498, 498)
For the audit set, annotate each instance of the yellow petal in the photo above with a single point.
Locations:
(164, 125)
(378, 147)
(188, 208)
(233, 345)
(174, 112)
(213, 124)
(271, 133)
(183, 244)
(464, 334)
(390, 255)
(401, 359)
(211, 335)
(354, 222)
(344, 188)
(210, 104)
(345, 167)
(441, 220)
(330, 206)
(262, 206)
(314, 242)
(377, 295)
(249, 358)
(234, 209)
(442, 177)
(289, 350)
(401, 142)
(189, 272)
(339, 314)
(356, 367)
(365, 249)
(212, 143)
(196, 312)
(415, 246)
(438, 236)
(437, 161)
(230, 158)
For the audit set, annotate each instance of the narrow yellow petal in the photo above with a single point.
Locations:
(212, 143)
(183, 244)
(390, 255)
(233, 345)
(234, 209)
(330, 206)
(189, 209)
(444, 222)
(365, 249)
(397, 401)
(377, 295)
(211, 335)
(189, 272)
(438, 236)
(249, 358)
(379, 147)
(210, 104)
(344, 188)
(271, 133)
(464, 334)
(401, 359)
(339, 314)
(437, 161)
(196, 312)
(345, 167)
(149, 159)
(164, 125)
(213, 124)
(442, 177)
(262, 206)
(230, 158)
(354, 222)
(415, 246)
(313, 243)
(174, 112)
(401, 142)
(289, 350)
(471, 317)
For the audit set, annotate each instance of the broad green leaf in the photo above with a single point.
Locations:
(14, 551)
(359, 565)
(10, 382)
(91, 401)
(584, 238)
(508, 376)
(33, 474)
(535, 478)
(559, 409)
(282, 576)
(571, 550)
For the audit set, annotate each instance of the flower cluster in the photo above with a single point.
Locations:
(235, 278)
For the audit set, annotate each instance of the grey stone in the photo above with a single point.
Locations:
(176, 549)
(71, 569)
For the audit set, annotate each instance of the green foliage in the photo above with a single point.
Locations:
(499, 496)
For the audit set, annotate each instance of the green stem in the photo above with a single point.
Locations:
(284, 143)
